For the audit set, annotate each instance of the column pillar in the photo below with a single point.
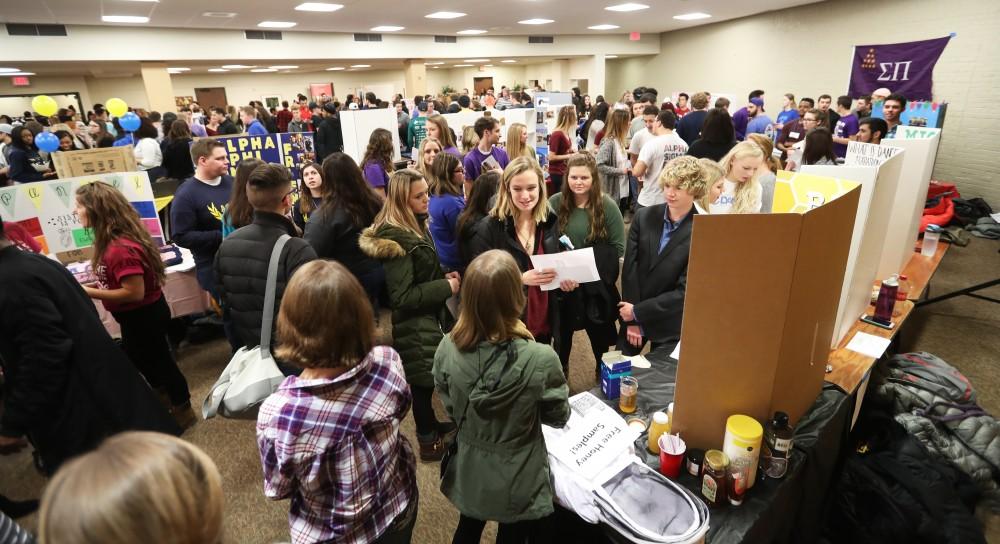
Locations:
(560, 76)
(597, 76)
(159, 88)
(415, 77)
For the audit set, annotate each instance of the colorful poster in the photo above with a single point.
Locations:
(918, 113)
(799, 193)
(905, 68)
(293, 150)
(47, 210)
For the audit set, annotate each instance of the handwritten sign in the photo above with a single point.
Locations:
(862, 154)
(592, 439)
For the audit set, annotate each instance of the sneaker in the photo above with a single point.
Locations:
(432, 451)
(184, 415)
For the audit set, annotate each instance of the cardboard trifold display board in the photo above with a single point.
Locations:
(759, 311)
(87, 162)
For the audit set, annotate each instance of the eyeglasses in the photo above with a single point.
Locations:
(807, 120)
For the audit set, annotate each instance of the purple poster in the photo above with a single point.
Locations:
(905, 68)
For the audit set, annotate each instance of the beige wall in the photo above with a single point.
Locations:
(40, 85)
(807, 51)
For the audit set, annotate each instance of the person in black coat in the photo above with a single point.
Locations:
(242, 261)
(67, 384)
(177, 151)
(329, 139)
(654, 275)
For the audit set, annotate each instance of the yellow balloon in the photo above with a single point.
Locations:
(44, 105)
(116, 107)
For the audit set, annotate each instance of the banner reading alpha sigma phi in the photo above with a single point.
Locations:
(905, 68)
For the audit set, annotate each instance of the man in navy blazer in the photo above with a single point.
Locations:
(654, 274)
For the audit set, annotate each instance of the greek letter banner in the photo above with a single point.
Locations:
(905, 68)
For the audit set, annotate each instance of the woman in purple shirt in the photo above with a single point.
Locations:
(437, 128)
(377, 162)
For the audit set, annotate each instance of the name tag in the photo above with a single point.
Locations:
(793, 134)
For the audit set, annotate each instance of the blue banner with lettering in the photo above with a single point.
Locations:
(293, 150)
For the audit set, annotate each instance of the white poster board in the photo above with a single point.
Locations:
(878, 188)
(357, 127)
(921, 145)
(593, 438)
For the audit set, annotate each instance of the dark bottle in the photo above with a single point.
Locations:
(777, 445)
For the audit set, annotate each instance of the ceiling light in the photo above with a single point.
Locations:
(476, 60)
(124, 19)
(335, 69)
(217, 70)
(508, 61)
(180, 69)
(488, 65)
(7, 70)
(433, 63)
(444, 15)
(276, 24)
(237, 66)
(463, 66)
(692, 16)
(284, 67)
(611, 56)
(20, 74)
(627, 7)
(262, 70)
(471, 32)
(219, 14)
(535, 22)
(361, 66)
(386, 28)
(603, 27)
(318, 6)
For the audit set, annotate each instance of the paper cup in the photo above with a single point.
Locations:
(672, 450)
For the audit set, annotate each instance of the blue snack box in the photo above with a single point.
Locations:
(611, 375)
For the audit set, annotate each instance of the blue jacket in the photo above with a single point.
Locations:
(443, 211)
(256, 128)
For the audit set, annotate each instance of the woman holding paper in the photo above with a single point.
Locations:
(589, 218)
(499, 387)
(522, 224)
(418, 289)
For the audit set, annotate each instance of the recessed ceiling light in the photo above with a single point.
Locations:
(20, 74)
(603, 27)
(276, 24)
(217, 70)
(318, 6)
(471, 31)
(476, 60)
(444, 15)
(335, 69)
(361, 66)
(627, 7)
(535, 22)
(124, 19)
(463, 66)
(219, 14)
(180, 69)
(262, 70)
(611, 56)
(7, 70)
(237, 66)
(284, 67)
(433, 63)
(508, 61)
(692, 16)
(386, 28)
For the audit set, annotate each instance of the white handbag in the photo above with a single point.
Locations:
(251, 375)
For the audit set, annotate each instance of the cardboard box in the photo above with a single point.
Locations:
(87, 162)
(611, 377)
(759, 312)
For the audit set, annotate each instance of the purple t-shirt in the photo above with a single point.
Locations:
(847, 126)
(473, 162)
(375, 175)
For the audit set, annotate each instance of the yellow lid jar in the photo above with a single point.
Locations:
(742, 445)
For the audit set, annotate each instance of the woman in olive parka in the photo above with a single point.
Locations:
(499, 386)
(418, 290)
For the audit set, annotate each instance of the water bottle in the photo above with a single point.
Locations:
(886, 300)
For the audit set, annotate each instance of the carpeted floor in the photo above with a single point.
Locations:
(963, 331)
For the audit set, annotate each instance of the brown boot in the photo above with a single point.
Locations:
(184, 415)
(432, 451)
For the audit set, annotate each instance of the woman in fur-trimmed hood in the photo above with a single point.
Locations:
(417, 289)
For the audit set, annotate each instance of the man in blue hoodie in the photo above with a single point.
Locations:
(249, 117)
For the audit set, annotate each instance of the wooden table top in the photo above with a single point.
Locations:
(919, 270)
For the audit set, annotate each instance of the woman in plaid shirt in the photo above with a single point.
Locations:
(329, 439)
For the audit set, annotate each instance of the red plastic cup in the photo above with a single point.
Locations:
(672, 450)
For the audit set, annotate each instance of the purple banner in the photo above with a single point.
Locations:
(905, 68)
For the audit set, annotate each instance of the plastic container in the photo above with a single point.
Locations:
(886, 300)
(659, 426)
(672, 450)
(931, 237)
(742, 445)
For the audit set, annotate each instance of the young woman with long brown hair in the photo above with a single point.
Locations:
(377, 161)
(239, 212)
(310, 195)
(612, 157)
(130, 276)
(589, 218)
(518, 144)
(437, 128)
(429, 149)
(446, 203)
(562, 145)
(500, 470)
(418, 289)
(477, 206)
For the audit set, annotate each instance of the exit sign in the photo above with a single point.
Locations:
(20, 81)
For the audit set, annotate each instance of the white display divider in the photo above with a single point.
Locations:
(921, 145)
(879, 184)
(357, 127)
(458, 121)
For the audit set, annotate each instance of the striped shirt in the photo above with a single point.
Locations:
(333, 446)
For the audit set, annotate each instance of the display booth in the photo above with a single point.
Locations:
(921, 145)
(759, 311)
(357, 127)
(879, 182)
(291, 149)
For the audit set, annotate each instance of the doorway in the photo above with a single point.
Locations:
(15, 105)
(211, 97)
(480, 84)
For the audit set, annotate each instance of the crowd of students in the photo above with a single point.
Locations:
(454, 226)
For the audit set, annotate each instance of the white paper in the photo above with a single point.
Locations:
(594, 437)
(676, 354)
(577, 265)
(996, 217)
(868, 344)
(640, 361)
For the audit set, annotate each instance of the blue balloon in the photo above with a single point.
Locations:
(130, 121)
(46, 141)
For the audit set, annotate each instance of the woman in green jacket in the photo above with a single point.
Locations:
(499, 386)
(418, 290)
